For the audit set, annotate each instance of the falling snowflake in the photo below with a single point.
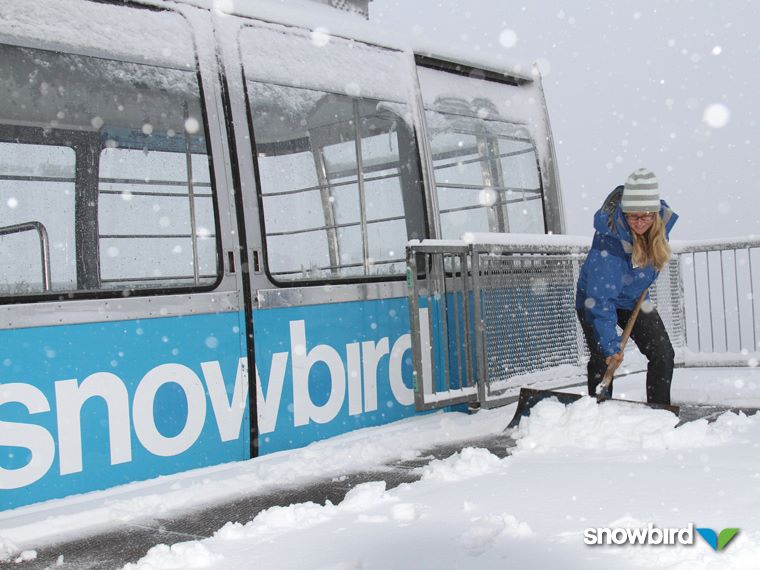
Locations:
(716, 115)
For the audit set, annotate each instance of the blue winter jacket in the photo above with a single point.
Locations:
(608, 281)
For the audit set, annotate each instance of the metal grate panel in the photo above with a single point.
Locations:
(667, 296)
(528, 312)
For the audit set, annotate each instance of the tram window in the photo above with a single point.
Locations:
(36, 184)
(147, 224)
(330, 211)
(110, 158)
(486, 176)
(520, 176)
(485, 161)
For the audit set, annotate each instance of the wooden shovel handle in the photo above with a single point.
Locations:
(607, 380)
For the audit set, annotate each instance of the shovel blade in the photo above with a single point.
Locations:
(529, 397)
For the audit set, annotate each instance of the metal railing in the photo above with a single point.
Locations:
(526, 302)
(442, 324)
(720, 279)
(498, 313)
(483, 315)
(38, 227)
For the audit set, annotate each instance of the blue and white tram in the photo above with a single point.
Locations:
(203, 218)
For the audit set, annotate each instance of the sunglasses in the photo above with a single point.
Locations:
(640, 217)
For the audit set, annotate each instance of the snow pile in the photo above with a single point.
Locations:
(484, 530)
(11, 552)
(180, 556)
(356, 532)
(271, 522)
(470, 462)
(7, 549)
(365, 496)
(619, 426)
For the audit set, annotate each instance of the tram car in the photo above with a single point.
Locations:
(204, 210)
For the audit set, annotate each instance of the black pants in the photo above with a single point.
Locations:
(653, 341)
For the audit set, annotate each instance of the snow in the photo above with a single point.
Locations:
(716, 115)
(585, 425)
(581, 242)
(327, 23)
(102, 29)
(622, 465)
(542, 241)
(276, 54)
(353, 451)
(617, 465)
(510, 103)
(681, 246)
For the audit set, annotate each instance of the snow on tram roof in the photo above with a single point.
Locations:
(323, 18)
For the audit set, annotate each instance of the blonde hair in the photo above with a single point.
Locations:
(652, 247)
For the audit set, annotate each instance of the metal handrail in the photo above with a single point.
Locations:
(720, 244)
(732, 305)
(39, 227)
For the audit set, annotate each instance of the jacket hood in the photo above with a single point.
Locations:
(609, 220)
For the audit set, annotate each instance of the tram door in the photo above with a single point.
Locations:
(331, 191)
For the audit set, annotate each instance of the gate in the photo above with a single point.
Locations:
(497, 313)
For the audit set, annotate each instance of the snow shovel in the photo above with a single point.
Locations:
(529, 397)
(603, 389)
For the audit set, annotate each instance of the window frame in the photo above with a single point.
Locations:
(469, 71)
(189, 198)
(418, 219)
(87, 238)
(493, 161)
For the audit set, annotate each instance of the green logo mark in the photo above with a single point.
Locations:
(718, 541)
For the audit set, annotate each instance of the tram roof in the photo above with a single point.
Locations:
(312, 15)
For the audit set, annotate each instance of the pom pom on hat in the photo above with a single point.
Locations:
(641, 192)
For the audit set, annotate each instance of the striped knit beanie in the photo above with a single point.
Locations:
(641, 192)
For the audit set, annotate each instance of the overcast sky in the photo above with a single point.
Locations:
(668, 85)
